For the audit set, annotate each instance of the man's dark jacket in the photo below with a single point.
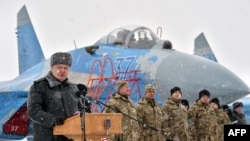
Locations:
(49, 99)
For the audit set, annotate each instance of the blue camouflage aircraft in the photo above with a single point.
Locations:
(132, 53)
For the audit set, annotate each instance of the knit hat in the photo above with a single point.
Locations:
(149, 88)
(216, 101)
(225, 107)
(61, 58)
(237, 104)
(203, 93)
(120, 84)
(175, 89)
(185, 102)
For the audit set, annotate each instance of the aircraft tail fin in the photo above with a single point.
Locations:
(202, 48)
(29, 50)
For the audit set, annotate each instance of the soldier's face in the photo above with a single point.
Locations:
(238, 109)
(150, 94)
(176, 95)
(205, 99)
(125, 90)
(214, 105)
(60, 71)
(186, 107)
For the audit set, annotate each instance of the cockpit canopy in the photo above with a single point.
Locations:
(131, 37)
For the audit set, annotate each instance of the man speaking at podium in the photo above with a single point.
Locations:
(52, 98)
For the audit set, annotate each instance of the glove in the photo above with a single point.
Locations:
(58, 121)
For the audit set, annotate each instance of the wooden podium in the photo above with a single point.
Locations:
(95, 126)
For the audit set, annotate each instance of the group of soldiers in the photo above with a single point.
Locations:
(174, 120)
(53, 98)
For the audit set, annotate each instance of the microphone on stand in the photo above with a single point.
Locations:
(84, 106)
(91, 99)
(85, 102)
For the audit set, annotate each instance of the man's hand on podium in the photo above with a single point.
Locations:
(58, 121)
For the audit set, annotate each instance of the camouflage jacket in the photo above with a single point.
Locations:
(130, 127)
(204, 122)
(175, 123)
(222, 119)
(149, 112)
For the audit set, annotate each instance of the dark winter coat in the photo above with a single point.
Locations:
(49, 99)
(240, 118)
(232, 117)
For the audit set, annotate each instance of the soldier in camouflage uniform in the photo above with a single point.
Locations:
(175, 124)
(222, 117)
(149, 112)
(120, 102)
(203, 118)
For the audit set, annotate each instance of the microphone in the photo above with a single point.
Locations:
(82, 88)
(91, 99)
(82, 95)
(82, 91)
(87, 98)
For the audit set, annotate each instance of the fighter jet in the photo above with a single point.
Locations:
(132, 53)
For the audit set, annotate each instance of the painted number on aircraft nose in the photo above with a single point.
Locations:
(124, 64)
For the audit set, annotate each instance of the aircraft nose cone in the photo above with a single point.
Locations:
(193, 74)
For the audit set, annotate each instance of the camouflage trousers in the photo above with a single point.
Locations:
(154, 137)
(122, 137)
(204, 138)
(181, 138)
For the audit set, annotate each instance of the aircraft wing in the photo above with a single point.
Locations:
(13, 97)
(12, 114)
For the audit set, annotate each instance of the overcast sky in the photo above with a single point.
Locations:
(225, 23)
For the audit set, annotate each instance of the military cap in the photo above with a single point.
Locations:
(61, 58)
(149, 88)
(120, 84)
